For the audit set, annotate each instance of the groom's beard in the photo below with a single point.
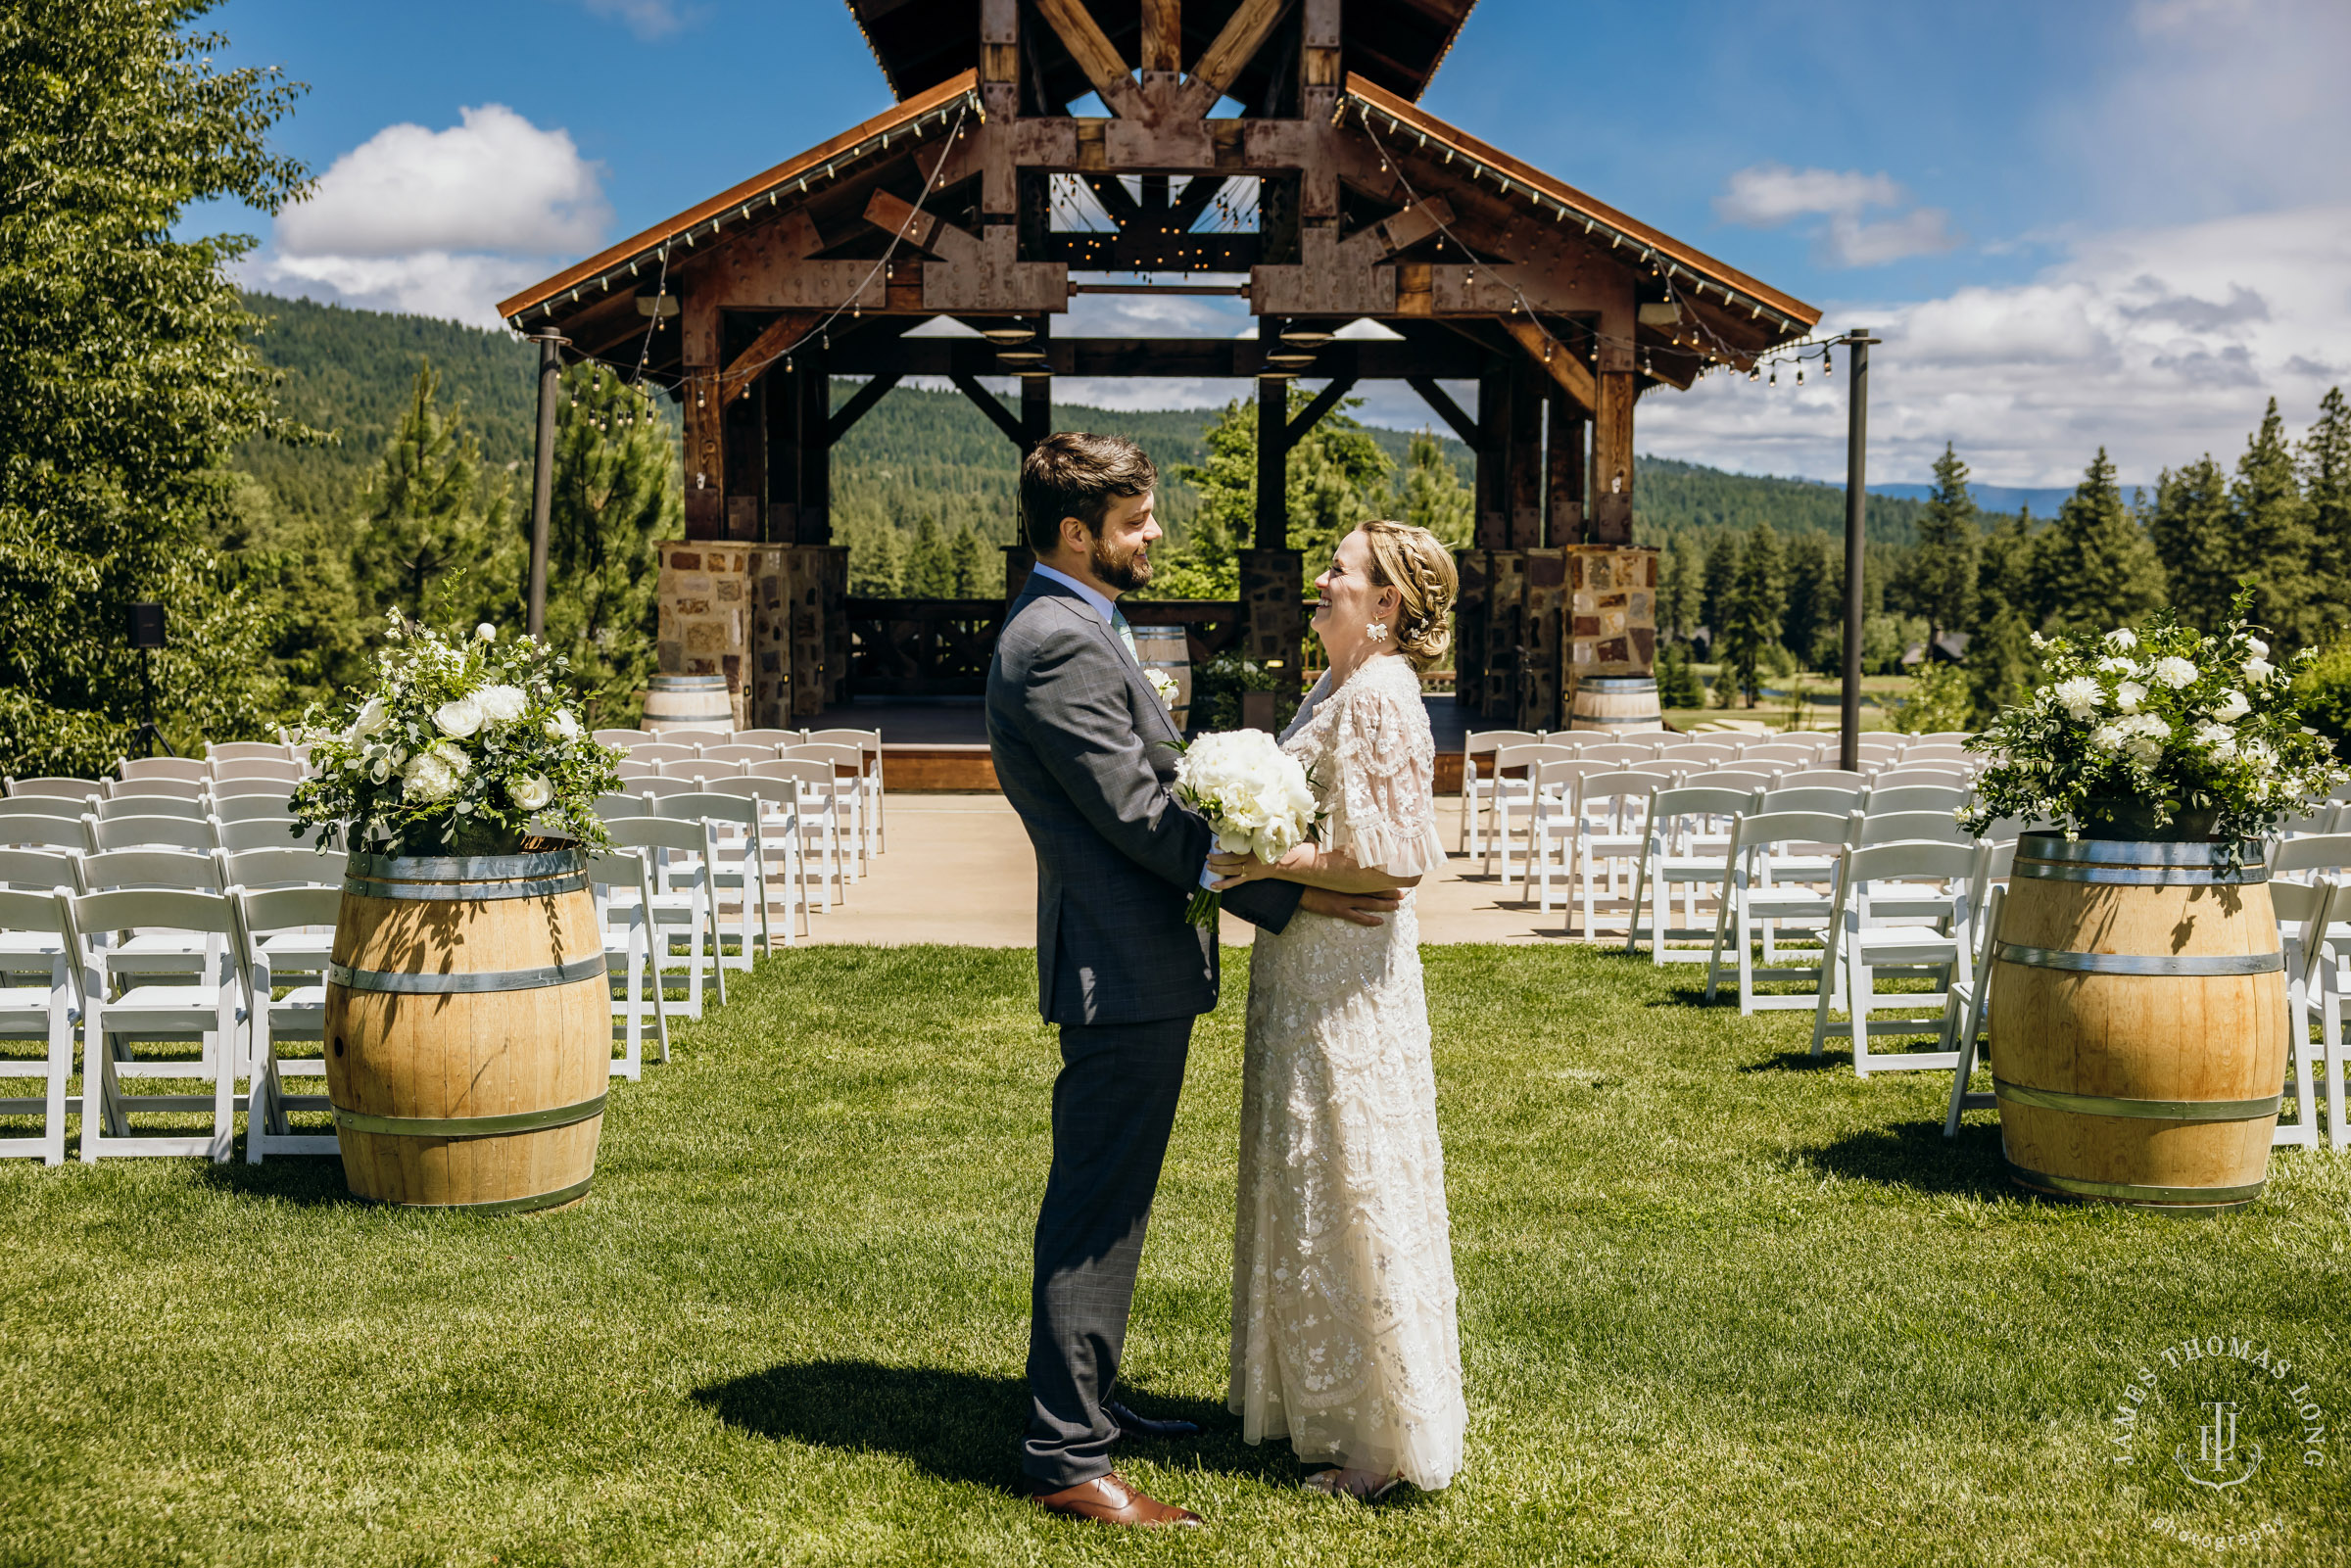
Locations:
(1125, 572)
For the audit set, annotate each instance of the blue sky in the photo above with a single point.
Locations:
(2103, 221)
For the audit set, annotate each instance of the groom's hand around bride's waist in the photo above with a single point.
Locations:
(1358, 909)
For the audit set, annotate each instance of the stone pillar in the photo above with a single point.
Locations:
(1505, 578)
(833, 580)
(1274, 613)
(1543, 597)
(703, 601)
(1470, 630)
(1613, 607)
(770, 706)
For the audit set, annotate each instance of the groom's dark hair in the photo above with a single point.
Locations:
(1072, 474)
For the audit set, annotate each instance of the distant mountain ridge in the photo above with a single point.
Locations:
(918, 452)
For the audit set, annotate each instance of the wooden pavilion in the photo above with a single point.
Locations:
(1276, 141)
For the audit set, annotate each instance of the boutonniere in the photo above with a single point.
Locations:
(1165, 685)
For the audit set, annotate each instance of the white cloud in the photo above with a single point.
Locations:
(2159, 345)
(647, 18)
(496, 182)
(1768, 195)
(439, 222)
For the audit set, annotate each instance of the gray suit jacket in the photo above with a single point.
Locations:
(1085, 752)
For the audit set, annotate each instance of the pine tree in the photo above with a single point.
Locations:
(616, 491)
(1757, 607)
(2004, 575)
(969, 556)
(1678, 685)
(877, 557)
(1722, 566)
(2325, 460)
(1680, 589)
(1431, 495)
(2000, 664)
(930, 568)
(435, 541)
(1815, 587)
(1945, 567)
(2193, 535)
(1337, 476)
(2272, 531)
(2095, 568)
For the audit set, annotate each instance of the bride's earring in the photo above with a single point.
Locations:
(1377, 631)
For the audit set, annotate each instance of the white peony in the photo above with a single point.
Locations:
(460, 718)
(374, 716)
(2113, 665)
(1254, 795)
(2234, 707)
(2261, 649)
(2175, 672)
(563, 726)
(486, 632)
(2121, 639)
(2258, 671)
(2217, 738)
(501, 704)
(531, 791)
(434, 773)
(2129, 696)
(2107, 737)
(2081, 696)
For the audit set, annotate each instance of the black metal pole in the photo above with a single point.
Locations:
(1857, 509)
(543, 474)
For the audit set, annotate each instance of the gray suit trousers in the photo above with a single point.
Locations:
(1114, 1104)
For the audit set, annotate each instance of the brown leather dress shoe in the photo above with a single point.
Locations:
(1109, 1500)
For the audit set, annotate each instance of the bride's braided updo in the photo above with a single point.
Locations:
(1412, 562)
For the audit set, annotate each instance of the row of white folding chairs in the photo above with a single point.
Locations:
(90, 790)
(761, 746)
(292, 767)
(237, 972)
(2313, 929)
(151, 830)
(833, 784)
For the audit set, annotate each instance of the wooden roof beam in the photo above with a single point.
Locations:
(1560, 366)
(769, 346)
(1236, 44)
(1096, 56)
(1450, 412)
(863, 399)
(1163, 35)
(998, 416)
(1324, 400)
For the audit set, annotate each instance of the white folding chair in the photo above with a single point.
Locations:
(44, 806)
(194, 809)
(287, 950)
(254, 794)
(778, 802)
(284, 770)
(247, 751)
(1910, 828)
(1838, 800)
(70, 789)
(734, 752)
(664, 750)
(848, 772)
(1867, 946)
(188, 768)
(630, 770)
(69, 834)
(1549, 797)
(696, 738)
(612, 808)
(683, 905)
(1819, 776)
(272, 832)
(152, 832)
(208, 1008)
(34, 929)
(1511, 783)
(701, 770)
(1686, 846)
(2309, 856)
(1778, 860)
(1477, 789)
(1964, 1014)
(2327, 947)
(2305, 913)
(1888, 798)
(823, 820)
(1608, 811)
(165, 788)
(772, 738)
(621, 881)
(869, 751)
(623, 738)
(158, 952)
(738, 861)
(284, 916)
(1933, 775)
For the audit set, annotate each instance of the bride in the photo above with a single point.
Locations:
(1343, 1334)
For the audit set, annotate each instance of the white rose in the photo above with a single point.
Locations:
(2117, 666)
(2175, 672)
(1165, 685)
(459, 717)
(428, 776)
(2258, 671)
(531, 791)
(2120, 638)
(2234, 707)
(2081, 696)
(563, 726)
(1274, 840)
(2106, 736)
(2261, 649)
(501, 704)
(374, 716)
(2129, 696)
(2218, 738)
(486, 632)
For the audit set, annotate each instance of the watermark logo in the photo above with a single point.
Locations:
(2226, 1412)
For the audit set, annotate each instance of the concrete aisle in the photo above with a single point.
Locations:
(960, 870)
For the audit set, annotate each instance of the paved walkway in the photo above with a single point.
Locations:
(959, 871)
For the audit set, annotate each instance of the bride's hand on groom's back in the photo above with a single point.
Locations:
(1357, 909)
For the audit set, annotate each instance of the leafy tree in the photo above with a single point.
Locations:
(130, 377)
(1815, 590)
(2095, 567)
(1757, 610)
(436, 531)
(1431, 493)
(618, 489)
(2325, 686)
(1336, 478)
(1206, 562)
(2325, 460)
(2272, 532)
(2000, 665)
(930, 563)
(2004, 572)
(1940, 698)
(1678, 685)
(1944, 564)
(2192, 533)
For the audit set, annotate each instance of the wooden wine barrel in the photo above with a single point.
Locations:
(2139, 1023)
(687, 702)
(1168, 650)
(468, 1030)
(1627, 705)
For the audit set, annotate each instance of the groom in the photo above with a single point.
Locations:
(1087, 753)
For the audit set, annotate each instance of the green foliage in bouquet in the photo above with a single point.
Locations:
(462, 746)
(2166, 730)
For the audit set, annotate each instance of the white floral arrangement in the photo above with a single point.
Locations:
(2180, 732)
(463, 746)
(1257, 797)
(1165, 685)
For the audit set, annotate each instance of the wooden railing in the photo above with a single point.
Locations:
(942, 646)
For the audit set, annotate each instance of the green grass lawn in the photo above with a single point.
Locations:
(1717, 1306)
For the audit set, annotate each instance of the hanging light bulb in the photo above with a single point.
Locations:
(1775, 376)
(1828, 366)
(1799, 376)
(1753, 374)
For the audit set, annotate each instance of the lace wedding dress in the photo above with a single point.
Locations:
(1343, 1333)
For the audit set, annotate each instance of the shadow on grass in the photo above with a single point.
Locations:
(1799, 1059)
(960, 1426)
(1916, 1154)
(312, 1181)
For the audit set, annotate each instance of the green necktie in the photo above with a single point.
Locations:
(1118, 624)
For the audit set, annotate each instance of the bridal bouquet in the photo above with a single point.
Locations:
(462, 746)
(1255, 796)
(2159, 733)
